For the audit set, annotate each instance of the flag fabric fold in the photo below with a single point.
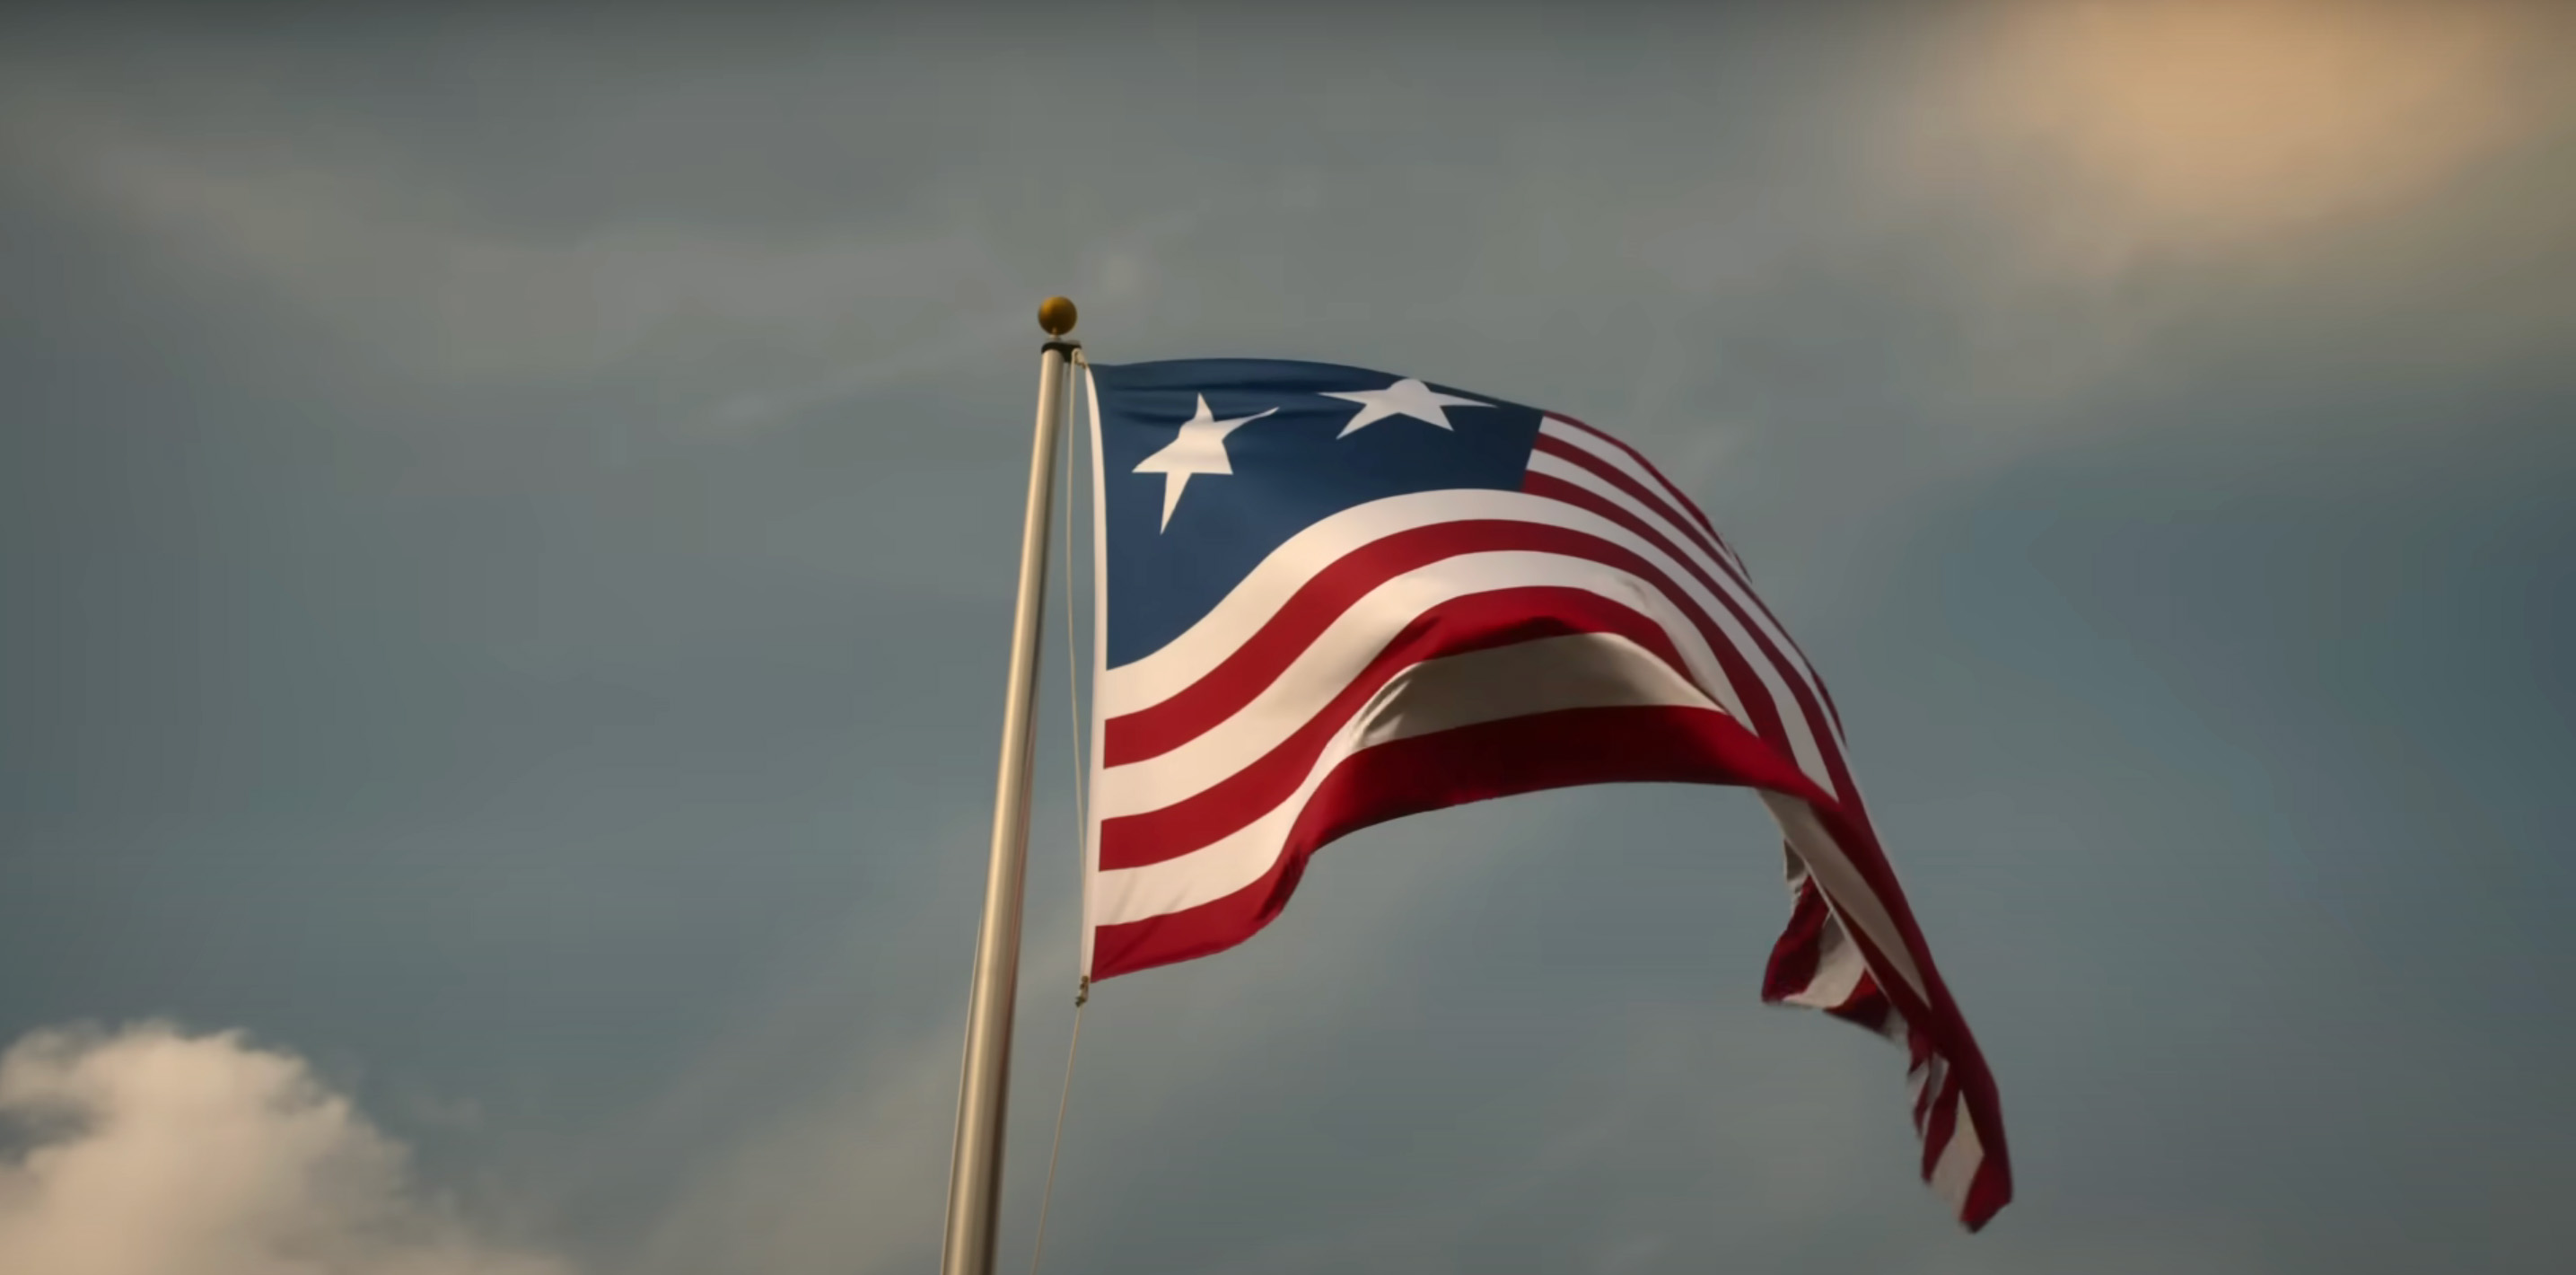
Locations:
(1328, 597)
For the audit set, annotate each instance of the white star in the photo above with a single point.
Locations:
(1407, 397)
(1198, 449)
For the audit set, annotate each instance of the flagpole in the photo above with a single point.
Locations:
(983, 1092)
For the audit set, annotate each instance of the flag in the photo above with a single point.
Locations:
(1328, 597)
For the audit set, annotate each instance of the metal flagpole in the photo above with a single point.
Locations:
(983, 1092)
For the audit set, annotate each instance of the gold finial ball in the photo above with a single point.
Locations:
(1056, 315)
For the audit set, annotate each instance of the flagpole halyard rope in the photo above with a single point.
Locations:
(1046, 1197)
(1082, 826)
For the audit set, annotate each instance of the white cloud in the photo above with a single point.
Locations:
(149, 1151)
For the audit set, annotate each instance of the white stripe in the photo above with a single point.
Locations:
(1793, 660)
(1841, 881)
(1775, 677)
(1147, 680)
(1576, 671)
(1339, 654)
(1925, 1076)
(1253, 601)
(1618, 457)
(1839, 962)
(1956, 1169)
(1839, 966)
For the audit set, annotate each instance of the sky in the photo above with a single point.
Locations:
(507, 529)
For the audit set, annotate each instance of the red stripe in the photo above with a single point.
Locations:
(1867, 1007)
(1733, 561)
(1648, 465)
(1593, 463)
(1475, 622)
(1990, 1190)
(1827, 746)
(1800, 947)
(1158, 729)
(1706, 540)
(1937, 1028)
(1574, 747)
(1757, 701)
(1799, 952)
(1450, 768)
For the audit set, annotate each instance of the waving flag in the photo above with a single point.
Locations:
(1330, 597)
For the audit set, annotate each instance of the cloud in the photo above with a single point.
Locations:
(149, 1151)
(2219, 123)
(2072, 199)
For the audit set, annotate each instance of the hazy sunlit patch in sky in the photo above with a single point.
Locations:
(2205, 123)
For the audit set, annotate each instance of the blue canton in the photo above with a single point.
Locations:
(1208, 465)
